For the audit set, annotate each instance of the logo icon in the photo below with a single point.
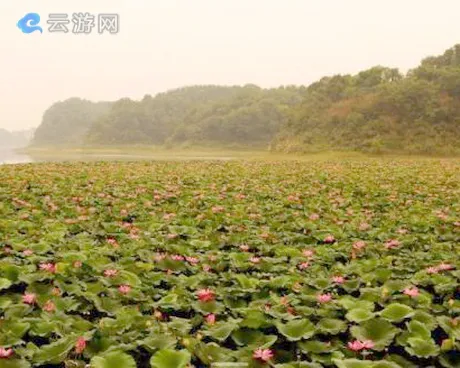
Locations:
(29, 23)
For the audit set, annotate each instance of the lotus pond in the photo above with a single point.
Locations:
(348, 264)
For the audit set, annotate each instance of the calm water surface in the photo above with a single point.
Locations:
(10, 156)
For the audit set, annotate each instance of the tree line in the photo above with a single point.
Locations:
(376, 110)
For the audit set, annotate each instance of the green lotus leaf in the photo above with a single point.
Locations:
(387, 364)
(156, 342)
(349, 303)
(297, 329)
(168, 358)
(397, 312)
(247, 283)
(221, 331)
(208, 307)
(55, 352)
(427, 319)
(352, 363)
(422, 348)
(255, 319)
(113, 359)
(398, 359)
(298, 365)
(14, 363)
(180, 326)
(250, 337)
(359, 315)
(43, 329)
(5, 302)
(211, 353)
(380, 331)
(447, 325)
(332, 326)
(316, 347)
(5, 283)
(450, 360)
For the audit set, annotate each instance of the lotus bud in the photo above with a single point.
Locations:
(447, 345)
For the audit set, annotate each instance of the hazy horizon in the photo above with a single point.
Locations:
(169, 44)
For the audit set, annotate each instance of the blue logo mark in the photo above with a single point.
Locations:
(29, 23)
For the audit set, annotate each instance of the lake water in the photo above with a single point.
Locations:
(9, 156)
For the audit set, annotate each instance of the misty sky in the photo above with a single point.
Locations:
(165, 44)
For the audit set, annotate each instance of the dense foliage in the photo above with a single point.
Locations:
(67, 122)
(333, 264)
(377, 110)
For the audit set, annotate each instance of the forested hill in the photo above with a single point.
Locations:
(377, 110)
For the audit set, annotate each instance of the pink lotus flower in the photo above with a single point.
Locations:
(263, 355)
(432, 270)
(124, 289)
(338, 279)
(29, 298)
(212, 258)
(355, 345)
(265, 235)
(80, 345)
(392, 243)
(308, 253)
(159, 257)
(49, 306)
(360, 345)
(244, 247)
(359, 245)
(314, 216)
(211, 319)
(177, 257)
(255, 260)
(411, 291)
(28, 252)
(445, 267)
(192, 260)
(368, 344)
(56, 291)
(77, 264)
(304, 265)
(113, 242)
(206, 268)
(169, 216)
(329, 239)
(364, 226)
(49, 267)
(110, 272)
(172, 236)
(206, 295)
(158, 315)
(6, 353)
(324, 298)
(217, 209)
